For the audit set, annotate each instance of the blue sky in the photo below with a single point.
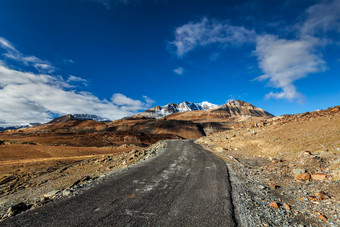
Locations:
(117, 57)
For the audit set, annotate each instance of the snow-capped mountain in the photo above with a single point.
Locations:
(84, 117)
(15, 127)
(162, 111)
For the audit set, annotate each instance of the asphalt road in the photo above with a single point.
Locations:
(184, 185)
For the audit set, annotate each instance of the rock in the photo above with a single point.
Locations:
(303, 176)
(286, 206)
(322, 217)
(312, 198)
(321, 195)
(319, 176)
(86, 178)
(51, 193)
(276, 161)
(273, 186)
(274, 205)
(18, 208)
(261, 187)
(298, 171)
(219, 149)
(44, 200)
(307, 153)
(67, 192)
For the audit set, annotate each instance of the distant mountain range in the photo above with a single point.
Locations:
(199, 119)
(184, 111)
(162, 111)
(65, 118)
(18, 126)
(183, 120)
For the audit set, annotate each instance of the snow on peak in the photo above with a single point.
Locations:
(162, 111)
(207, 105)
(93, 117)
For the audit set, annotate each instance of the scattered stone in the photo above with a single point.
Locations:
(219, 149)
(276, 161)
(273, 186)
(86, 178)
(261, 187)
(286, 206)
(18, 208)
(51, 193)
(44, 200)
(319, 176)
(321, 195)
(312, 198)
(274, 205)
(307, 153)
(298, 171)
(303, 176)
(67, 192)
(322, 217)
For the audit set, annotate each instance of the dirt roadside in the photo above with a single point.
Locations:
(27, 184)
(284, 172)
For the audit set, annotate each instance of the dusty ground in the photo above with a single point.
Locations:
(293, 161)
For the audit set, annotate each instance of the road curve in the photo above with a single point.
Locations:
(184, 185)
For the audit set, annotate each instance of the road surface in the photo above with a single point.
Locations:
(184, 185)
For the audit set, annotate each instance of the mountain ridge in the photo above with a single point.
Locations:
(234, 108)
(170, 108)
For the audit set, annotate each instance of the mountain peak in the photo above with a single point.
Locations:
(162, 111)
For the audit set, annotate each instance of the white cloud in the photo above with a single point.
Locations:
(122, 100)
(179, 70)
(324, 16)
(11, 52)
(214, 57)
(148, 101)
(27, 97)
(206, 32)
(285, 61)
(6, 44)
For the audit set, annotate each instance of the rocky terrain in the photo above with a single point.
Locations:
(288, 166)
